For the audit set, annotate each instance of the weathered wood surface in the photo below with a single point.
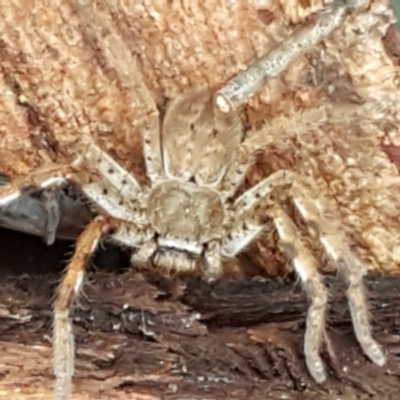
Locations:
(154, 338)
(248, 338)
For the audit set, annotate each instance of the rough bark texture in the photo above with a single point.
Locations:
(156, 338)
(98, 69)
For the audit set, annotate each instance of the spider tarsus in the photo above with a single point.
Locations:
(315, 328)
(62, 389)
(376, 354)
(353, 271)
(316, 368)
(63, 355)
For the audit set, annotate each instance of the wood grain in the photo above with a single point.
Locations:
(149, 337)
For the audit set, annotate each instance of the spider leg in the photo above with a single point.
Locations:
(151, 141)
(242, 232)
(244, 228)
(236, 172)
(70, 287)
(334, 244)
(120, 179)
(338, 250)
(305, 266)
(112, 202)
(240, 88)
(252, 197)
(71, 284)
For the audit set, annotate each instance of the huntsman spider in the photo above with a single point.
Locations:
(193, 216)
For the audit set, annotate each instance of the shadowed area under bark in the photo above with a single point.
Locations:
(155, 338)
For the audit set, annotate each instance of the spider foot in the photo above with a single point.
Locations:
(72, 282)
(359, 310)
(306, 267)
(315, 327)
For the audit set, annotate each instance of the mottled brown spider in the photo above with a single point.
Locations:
(192, 216)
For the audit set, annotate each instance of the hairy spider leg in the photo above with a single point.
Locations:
(305, 265)
(334, 244)
(71, 284)
(120, 179)
(336, 247)
(69, 289)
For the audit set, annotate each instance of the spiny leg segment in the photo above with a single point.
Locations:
(70, 287)
(305, 266)
(124, 230)
(151, 142)
(71, 284)
(334, 243)
(122, 181)
(238, 91)
(351, 267)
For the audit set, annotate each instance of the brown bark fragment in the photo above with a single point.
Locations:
(83, 68)
(152, 338)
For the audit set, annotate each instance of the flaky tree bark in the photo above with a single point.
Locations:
(146, 337)
(99, 68)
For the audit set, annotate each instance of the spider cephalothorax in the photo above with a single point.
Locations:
(185, 212)
(185, 204)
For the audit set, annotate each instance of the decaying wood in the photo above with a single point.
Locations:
(153, 338)
(83, 68)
